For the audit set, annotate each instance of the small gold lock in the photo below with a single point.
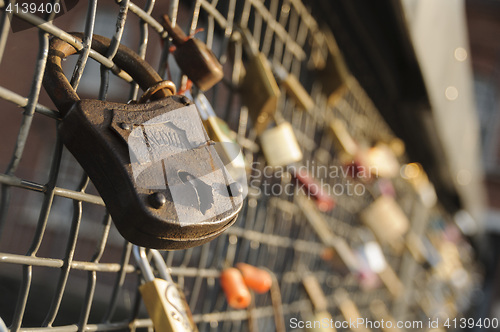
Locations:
(260, 92)
(280, 146)
(387, 221)
(228, 149)
(164, 302)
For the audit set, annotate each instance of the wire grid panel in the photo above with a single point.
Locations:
(272, 230)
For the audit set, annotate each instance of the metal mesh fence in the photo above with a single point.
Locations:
(63, 264)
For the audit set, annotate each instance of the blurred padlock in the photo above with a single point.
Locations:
(376, 265)
(194, 58)
(334, 74)
(280, 146)
(294, 88)
(382, 161)
(259, 90)
(228, 149)
(165, 303)
(387, 221)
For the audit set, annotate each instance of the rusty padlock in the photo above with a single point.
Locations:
(194, 58)
(161, 180)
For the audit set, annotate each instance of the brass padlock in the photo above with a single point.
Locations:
(334, 74)
(260, 92)
(164, 301)
(152, 163)
(226, 146)
(194, 58)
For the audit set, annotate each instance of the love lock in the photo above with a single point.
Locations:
(152, 162)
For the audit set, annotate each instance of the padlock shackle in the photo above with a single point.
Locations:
(249, 43)
(142, 261)
(59, 88)
(175, 32)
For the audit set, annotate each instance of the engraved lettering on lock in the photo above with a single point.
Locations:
(160, 135)
(156, 141)
(175, 300)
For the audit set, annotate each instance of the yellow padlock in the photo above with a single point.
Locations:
(164, 302)
(260, 92)
(334, 74)
(228, 149)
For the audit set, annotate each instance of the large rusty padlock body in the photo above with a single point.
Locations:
(160, 178)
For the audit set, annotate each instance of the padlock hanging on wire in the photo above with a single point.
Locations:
(152, 162)
(164, 301)
(281, 149)
(194, 57)
(259, 90)
(362, 162)
(226, 146)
